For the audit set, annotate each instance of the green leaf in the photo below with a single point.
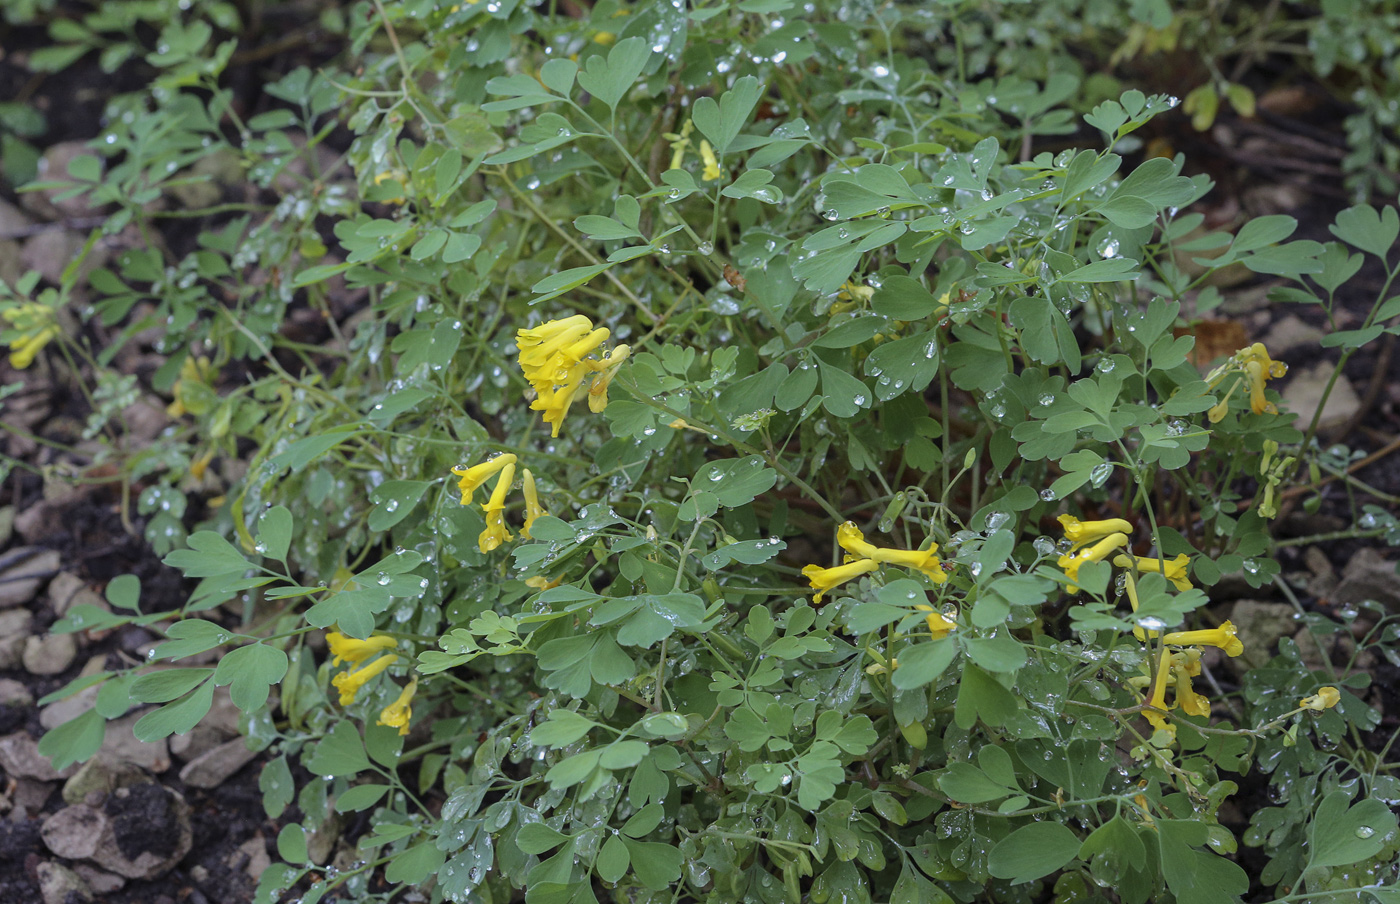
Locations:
(656, 865)
(275, 533)
(1033, 851)
(536, 838)
(981, 696)
(360, 797)
(415, 865)
(304, 451)
(1109, 270)
(903, 298)
(610, 79)
(612, 861)
(277, 786)
(1367, 229)
(175, 718)
(747, 552)
(843, 395)
(251, 670)
(605, 228)
(291, 843)
(166, 684)
(339, 753)
(558, 75)
(1341, 836)
(852, 331)
(209, 555)
(563, 728)
(721, 122)
(904, 365)
(75, 740)
(754, 184)
(922, 663)
(394, 499)
(124, 592)
(566, 280)
(191, 636)
(967, 784)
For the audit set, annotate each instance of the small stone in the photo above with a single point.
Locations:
(20, 758)
(73, 832)
(100, 881)
(12, 693)
(68, 590)
(54, 165)
(1368, 576)
(49, 654)
(22, 571)
(1304, 393)
(69, 708)
(60, 885)
(1290, 333)
(51, 251)
(1260, 625)
(15, 625)
(100, 777)
(211, 769)
(195, 743)
(30, 797)
(148, 832)
(255, 850)
(119, 745)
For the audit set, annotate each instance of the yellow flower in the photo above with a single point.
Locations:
(1325, 698)
(533, 509)
(1191, 703)
(496, 533)
(554, 404)
(922, 560)
(397, 714)
(852, 291)
(876, 668)
(1222, 637)
(679, 143)
(823, 579)
(1070, 563)
(194, 370)
(476, 475)
(598, 389)
(539, 582)
(539, 348)
(350, 649)
(1159, 696)
(34, 328)
(850, 538)
(1081, 532)
(348, 683)
(1173, 570)
(938, 626)
(1260, 367)
(707, 155)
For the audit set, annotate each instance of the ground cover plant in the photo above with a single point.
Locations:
(747, 451)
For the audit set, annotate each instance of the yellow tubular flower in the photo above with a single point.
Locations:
(555, 404)
(598, 388)
(1325, 698)
(823, 579)
(938, 625)
(707, 155)
(1174, 570)
(1070, 564)
(476, 475)
(850, 538)
(533, 509)
(496, 533)
(194, 370)
(922, 560)
(397, 714)
(36, 327)
(348, 683)
(1131, 586)
(1081, 532)
(1191, 703)
(1222, 637)
(350, 649)
(679, 143)
(1159, 696)
(538, 348)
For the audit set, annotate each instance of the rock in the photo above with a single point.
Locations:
(51, 251)
(321, 842)
(69, 708)
(60, 885)
(20, 758)
(47, 518)
(211, 769)
(148, 832)
(1290, 333)
(1368, 576)
(195, 743)
(22, 571)
(223, 715)
(30, 797)
(13, 221)
(119, 745)
(100, 881)
(50, 654)
(7, 524)
(255, 852)
(73, 833)
(99, 777)
(12, 693)
(68, 590)
(14, 631)
(1260, 625)
(54, 165)
(1304, 393)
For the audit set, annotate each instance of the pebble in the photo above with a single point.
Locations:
(100, 881)
(22, 572)
(74, 832)
(20, 758)
(1304, 393)
(211, 769)
(49, 654)
(119, 745)
(12, 693)
(68, 590)
(14, 631)
(61, 885)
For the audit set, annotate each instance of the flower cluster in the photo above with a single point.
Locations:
(863, 558)
(353, 651)
(33, 327)
(554, 358)
(494, 508)
(1255, 365)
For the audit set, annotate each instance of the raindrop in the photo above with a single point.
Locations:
(1049, 495)
(1364, 831)
(1100, 474)
(1046, 399)
(383, 580)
